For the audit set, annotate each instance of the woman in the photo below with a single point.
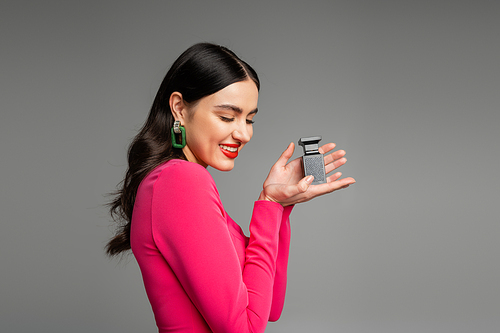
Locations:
(201, 273)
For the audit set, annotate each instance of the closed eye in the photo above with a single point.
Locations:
(228, 120)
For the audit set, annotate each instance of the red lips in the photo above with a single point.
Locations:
(228, 153)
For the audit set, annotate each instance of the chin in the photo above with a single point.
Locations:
(223, 166)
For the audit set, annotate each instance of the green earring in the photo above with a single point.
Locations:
(178, 129)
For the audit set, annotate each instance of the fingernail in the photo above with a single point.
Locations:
(309, 179)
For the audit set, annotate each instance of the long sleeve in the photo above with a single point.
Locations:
(189, 228)
(280, 280)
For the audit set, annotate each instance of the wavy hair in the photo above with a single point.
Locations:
(202, 70)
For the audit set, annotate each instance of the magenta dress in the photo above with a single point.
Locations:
(201, 273)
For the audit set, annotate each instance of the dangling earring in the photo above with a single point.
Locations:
(178, 129)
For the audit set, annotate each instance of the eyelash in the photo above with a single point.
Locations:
(228, 120)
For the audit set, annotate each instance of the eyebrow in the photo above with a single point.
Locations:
(234, 108)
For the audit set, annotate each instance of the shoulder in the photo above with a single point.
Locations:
(186, 188)
(183, 176)
(187, 171)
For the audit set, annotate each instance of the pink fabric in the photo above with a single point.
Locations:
(200, 272)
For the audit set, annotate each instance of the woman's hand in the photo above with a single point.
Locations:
(285, 183)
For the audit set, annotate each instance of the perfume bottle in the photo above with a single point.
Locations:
(313, 161)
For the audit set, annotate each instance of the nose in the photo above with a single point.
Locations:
(243, 132)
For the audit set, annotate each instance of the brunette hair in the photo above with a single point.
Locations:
(202, 70)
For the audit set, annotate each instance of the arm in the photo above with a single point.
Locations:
(190, 230)
(285, 184)
(280, 279)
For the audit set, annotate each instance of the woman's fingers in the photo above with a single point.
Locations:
(301, 187)
(334, 156)
(334, 177)
(340, 183)
(304, 183)
(313, 191)
(285, 156)
(334, 165)
(285, 185)
(304, 191)
(288, 194)
(327, 147)
(331, 186)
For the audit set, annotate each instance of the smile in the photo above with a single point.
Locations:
(230, 151)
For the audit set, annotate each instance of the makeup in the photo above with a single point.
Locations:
(229, 149)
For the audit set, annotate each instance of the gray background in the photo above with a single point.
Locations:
(410, 89)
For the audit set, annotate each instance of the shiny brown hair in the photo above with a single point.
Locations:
(202, 70)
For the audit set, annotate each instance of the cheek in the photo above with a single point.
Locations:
(203, 137)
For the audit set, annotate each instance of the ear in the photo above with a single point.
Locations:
(178, 106)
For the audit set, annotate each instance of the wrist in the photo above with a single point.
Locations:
(263, 196)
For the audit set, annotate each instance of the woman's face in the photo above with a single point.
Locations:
(219, 125)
